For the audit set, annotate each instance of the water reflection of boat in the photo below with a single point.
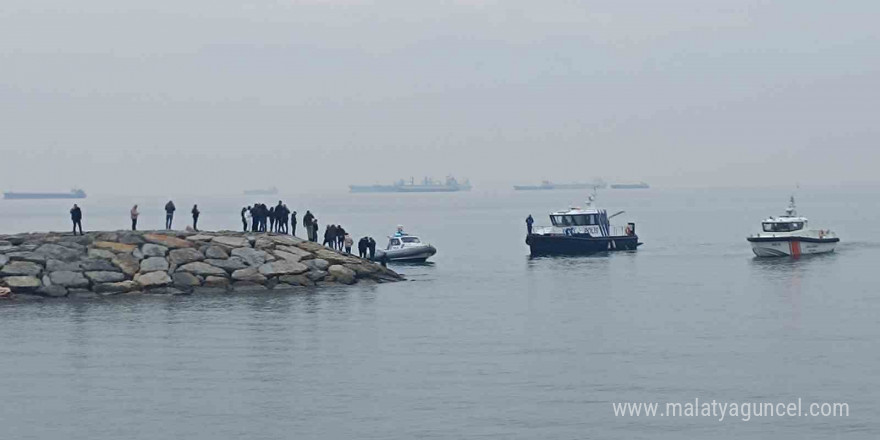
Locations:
(787, 235)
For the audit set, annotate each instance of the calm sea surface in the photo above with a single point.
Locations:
(483, 343)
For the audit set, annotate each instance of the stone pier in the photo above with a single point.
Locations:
(172, 262)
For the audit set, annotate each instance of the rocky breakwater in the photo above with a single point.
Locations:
(111, 263)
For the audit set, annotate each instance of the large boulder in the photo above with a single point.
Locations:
(54, 251)
(201, 268)
(251, 274)
(335, 257)
(285, 240)
(231, 242)
(154, 250)
(296, 280)
(29, 256)
(264, 243)
(3, 260)
(212, 281)
(21, 268)
(68, 279)
(364, 269)
(185, 280)
(98, 277)
(114, 246)
(317, 264)
(252, 257)
(316, 275)
(131, 238)
(153, 279)
(53, 291)
(101, 253)
(310, 246)
(127, 263)
(168, 241)
(200, 238)
(179, 257)
(342, 274)
(216, 252)
(303, 254)
(229, 265)
(56, 265)
(287, 256)
(22, 283)
(154, 264)
(97, 264)
(277, 268)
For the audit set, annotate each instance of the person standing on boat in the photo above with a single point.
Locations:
(529, 222)
(195, 213)
(76, 216)
(134, 217)
(169, 214)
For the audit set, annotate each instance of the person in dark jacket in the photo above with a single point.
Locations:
(293, 223)
(315, 229)
(169, 214)
(340, 237)
(76, 216)
(195, 213)
(371, 245)
(272, 219)
(529, 222)
(363, 244)
(330, 236)
(244, 224)
(307, 223)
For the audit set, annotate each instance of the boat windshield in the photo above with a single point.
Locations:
(574, 220)
(783, 227)
(410, 239)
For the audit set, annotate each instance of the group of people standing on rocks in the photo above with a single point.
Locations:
(336, 237)
(261, 218)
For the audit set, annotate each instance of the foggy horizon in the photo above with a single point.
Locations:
(217, 97)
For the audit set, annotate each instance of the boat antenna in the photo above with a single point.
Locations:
(592, 197)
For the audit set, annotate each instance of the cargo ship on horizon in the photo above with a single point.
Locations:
(73, 194)
(548, 185)
(640, 185)
(427, 185)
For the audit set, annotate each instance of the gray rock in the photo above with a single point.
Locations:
(167, 241)
(283, 268)
(137, 254)
(21, 268)
(154, 250)
(153, 279)
(287, 256)
(251, 257)
(231, 242)
(230, 265)
(342, 274)
(52, 291)
(364, 269)
(154, 264)
(251, 274)
(185, 280)
(22, 283)
(101, 253)
(336, 258)
(179, 257)
(264, 243)
(97, 264)
(295, 251)
(201, 268)
(317, 264)
(115, 288)
(100, 277)
(127, 263)
(56, 252)
(200, 238)
(3, 260)
(285, 240)
(68, 278)
(297, 280)
(316, 275)
(212, 281)
(216, 252)
(28, 256)
(131, 238)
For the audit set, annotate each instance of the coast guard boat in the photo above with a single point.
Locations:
(406, 248)
(787, 235)
(581, 231)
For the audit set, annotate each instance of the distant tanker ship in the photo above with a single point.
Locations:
(548, 185)
(73, 194)
(402, 186)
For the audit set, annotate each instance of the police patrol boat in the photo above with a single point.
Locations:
(787, 235)
(581, 231)
(405, 248)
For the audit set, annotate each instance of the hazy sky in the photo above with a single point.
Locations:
(218, 96)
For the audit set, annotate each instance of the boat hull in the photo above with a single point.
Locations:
(418, 254)
(791, 246)
(579, 245)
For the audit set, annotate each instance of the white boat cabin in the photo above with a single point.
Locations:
(402, 241)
